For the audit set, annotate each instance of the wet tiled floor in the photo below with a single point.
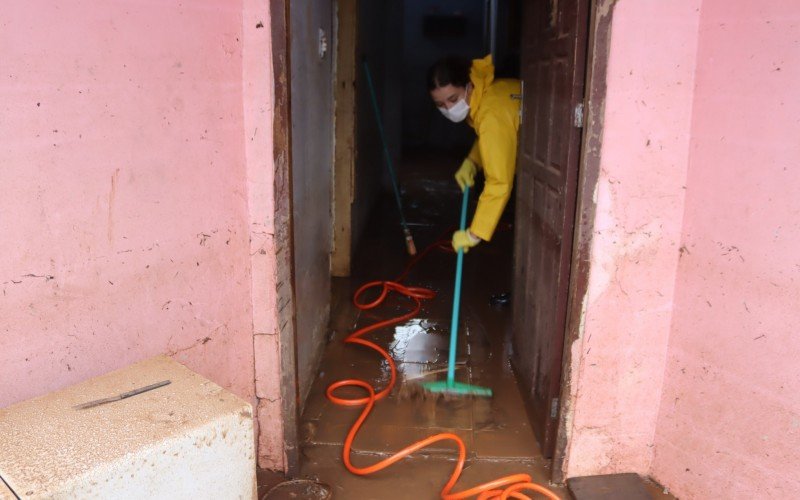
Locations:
(496, 432)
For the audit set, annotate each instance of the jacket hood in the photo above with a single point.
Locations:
(481, 75)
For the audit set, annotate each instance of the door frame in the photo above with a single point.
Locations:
(345, 72)
(284, 234)
(600, 20)
(597, 55)
(286, 283)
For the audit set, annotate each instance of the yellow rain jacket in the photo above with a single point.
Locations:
(494, 114)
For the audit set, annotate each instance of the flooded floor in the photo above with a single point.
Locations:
(496, 431)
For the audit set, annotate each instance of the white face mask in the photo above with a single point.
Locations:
(457, 112)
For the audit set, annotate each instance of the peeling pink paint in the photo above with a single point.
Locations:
(138, 206)
(619, 359)
(730, 411)
(258, 115)
(270, 441)
(124, 207)
(686, 368)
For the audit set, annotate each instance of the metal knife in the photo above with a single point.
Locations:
(124, 395)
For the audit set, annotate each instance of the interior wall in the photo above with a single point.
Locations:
(423, 125)
(730, 409)
(617, 363)
(508, 38)
(379, 40)
(125, 211)
(312, 165)
(393, 78)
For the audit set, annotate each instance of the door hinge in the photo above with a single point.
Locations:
(577, 118)
(322, 43)
(554, 408)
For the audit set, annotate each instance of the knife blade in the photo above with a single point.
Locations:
(124, 395)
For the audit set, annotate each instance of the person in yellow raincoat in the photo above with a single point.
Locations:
(491, 107)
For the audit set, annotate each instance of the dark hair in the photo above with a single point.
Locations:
(450, 70)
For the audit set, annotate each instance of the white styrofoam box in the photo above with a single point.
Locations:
(188, 440)
(5, 493)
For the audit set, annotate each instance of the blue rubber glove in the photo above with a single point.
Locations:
(463, 239)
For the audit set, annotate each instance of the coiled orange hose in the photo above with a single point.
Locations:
(501, 488)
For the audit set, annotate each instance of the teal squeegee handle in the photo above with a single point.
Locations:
(386, 155)
(451, 361)
(410, 247)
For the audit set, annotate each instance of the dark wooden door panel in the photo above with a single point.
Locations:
(552, 68)
(312, 158)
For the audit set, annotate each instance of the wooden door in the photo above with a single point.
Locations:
(554, 35)
(311, 72)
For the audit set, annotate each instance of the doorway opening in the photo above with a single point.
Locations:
(514, 346)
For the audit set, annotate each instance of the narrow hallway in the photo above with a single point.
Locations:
(496, 432)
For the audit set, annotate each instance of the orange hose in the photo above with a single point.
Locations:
(501, 488)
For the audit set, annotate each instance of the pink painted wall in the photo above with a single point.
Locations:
(618, 361)
(729, 424)
(125, 192)
(686, 366)
(259, 97)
